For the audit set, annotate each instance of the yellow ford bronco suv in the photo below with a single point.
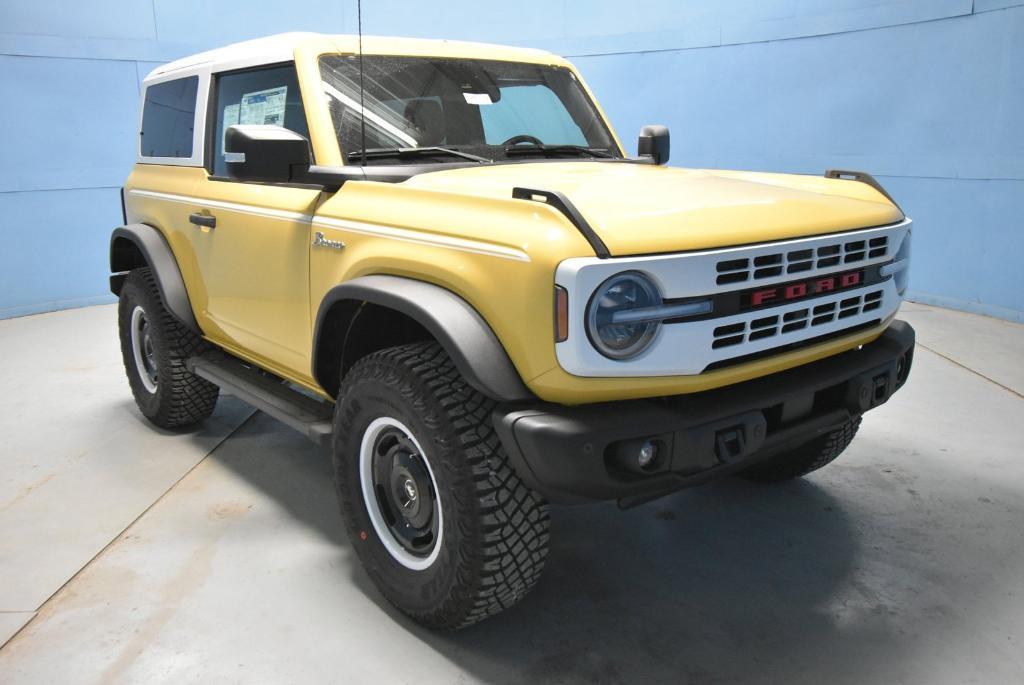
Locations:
(437, 259)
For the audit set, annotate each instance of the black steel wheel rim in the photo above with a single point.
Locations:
(405, 492)
(148, 350)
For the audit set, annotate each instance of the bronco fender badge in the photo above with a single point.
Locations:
(320, 241)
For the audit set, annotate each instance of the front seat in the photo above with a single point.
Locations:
(427, 118)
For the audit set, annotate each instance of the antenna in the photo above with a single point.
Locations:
(362, 107)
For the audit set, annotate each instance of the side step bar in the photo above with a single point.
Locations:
(267, 393)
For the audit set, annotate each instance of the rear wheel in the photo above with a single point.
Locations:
(154, 347)
(443, 525)
(804, 459)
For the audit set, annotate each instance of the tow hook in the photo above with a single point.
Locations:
(729, 444)
(881, 387)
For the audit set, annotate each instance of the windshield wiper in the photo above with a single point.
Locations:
(556, 149)
(407, 152)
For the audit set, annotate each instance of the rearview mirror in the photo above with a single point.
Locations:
(653, 143)
(271, 154)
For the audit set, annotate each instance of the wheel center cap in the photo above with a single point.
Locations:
(410, 490)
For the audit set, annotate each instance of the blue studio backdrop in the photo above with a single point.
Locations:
(927, 95)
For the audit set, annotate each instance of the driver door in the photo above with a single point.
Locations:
(254, 259)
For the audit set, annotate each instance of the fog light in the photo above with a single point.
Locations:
(642, 456)
(645, 457)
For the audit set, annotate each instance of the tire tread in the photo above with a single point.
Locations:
(506, 543)
(185, 398)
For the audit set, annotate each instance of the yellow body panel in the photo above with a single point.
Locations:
(170, 217)
(254, 270)
(255, 282)
(247, 279)
(644, 209)
(498, 255)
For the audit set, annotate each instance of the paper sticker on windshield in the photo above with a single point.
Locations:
(230, 119)
(478, 98)
(263, 107)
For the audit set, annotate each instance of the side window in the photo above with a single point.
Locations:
(168, 117)
(262, 96)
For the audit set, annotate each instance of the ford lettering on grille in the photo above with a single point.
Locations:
(785, 292)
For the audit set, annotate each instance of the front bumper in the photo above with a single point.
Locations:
(581, 454)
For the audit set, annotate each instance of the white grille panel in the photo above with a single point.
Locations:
(688, 348)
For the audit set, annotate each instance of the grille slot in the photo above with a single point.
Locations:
(796, 261)
(732, 271)
(796, 320)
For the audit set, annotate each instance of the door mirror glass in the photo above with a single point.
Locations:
(268, 154)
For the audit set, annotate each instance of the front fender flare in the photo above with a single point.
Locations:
(454, 323)
(157, 254)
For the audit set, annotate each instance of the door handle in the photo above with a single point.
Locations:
(207, 220)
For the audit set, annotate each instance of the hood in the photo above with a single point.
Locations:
(645, 209)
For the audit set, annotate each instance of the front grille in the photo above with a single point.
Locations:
(767, 298)
(797, 261)
(796, 320)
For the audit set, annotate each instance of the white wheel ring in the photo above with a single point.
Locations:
(366, 447)
(138, 314)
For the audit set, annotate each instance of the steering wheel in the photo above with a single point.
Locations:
(524, 138)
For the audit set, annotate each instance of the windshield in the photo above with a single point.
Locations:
(489, 109)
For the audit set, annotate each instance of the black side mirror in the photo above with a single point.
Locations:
(653, 143)
(271, 154)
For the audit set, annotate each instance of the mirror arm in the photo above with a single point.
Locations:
(333, 177)
(330, 177)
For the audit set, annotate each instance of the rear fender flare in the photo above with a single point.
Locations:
(158, 256)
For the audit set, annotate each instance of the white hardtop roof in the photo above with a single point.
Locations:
(281, 48)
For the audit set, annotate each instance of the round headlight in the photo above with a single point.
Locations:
(621, 293)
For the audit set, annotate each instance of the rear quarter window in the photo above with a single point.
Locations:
(168, 118)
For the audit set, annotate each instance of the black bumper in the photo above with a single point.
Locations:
(587, 453)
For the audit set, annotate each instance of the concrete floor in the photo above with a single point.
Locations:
(129, 554)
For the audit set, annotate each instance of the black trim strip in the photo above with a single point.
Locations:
(562, 204)
(863, 177)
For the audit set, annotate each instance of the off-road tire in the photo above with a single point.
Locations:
(494, 529)
(180, 398)
(808, 457)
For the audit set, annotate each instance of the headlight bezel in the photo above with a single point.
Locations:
(649, 330)
(902, 277)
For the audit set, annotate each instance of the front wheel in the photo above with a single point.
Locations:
(445, 528)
